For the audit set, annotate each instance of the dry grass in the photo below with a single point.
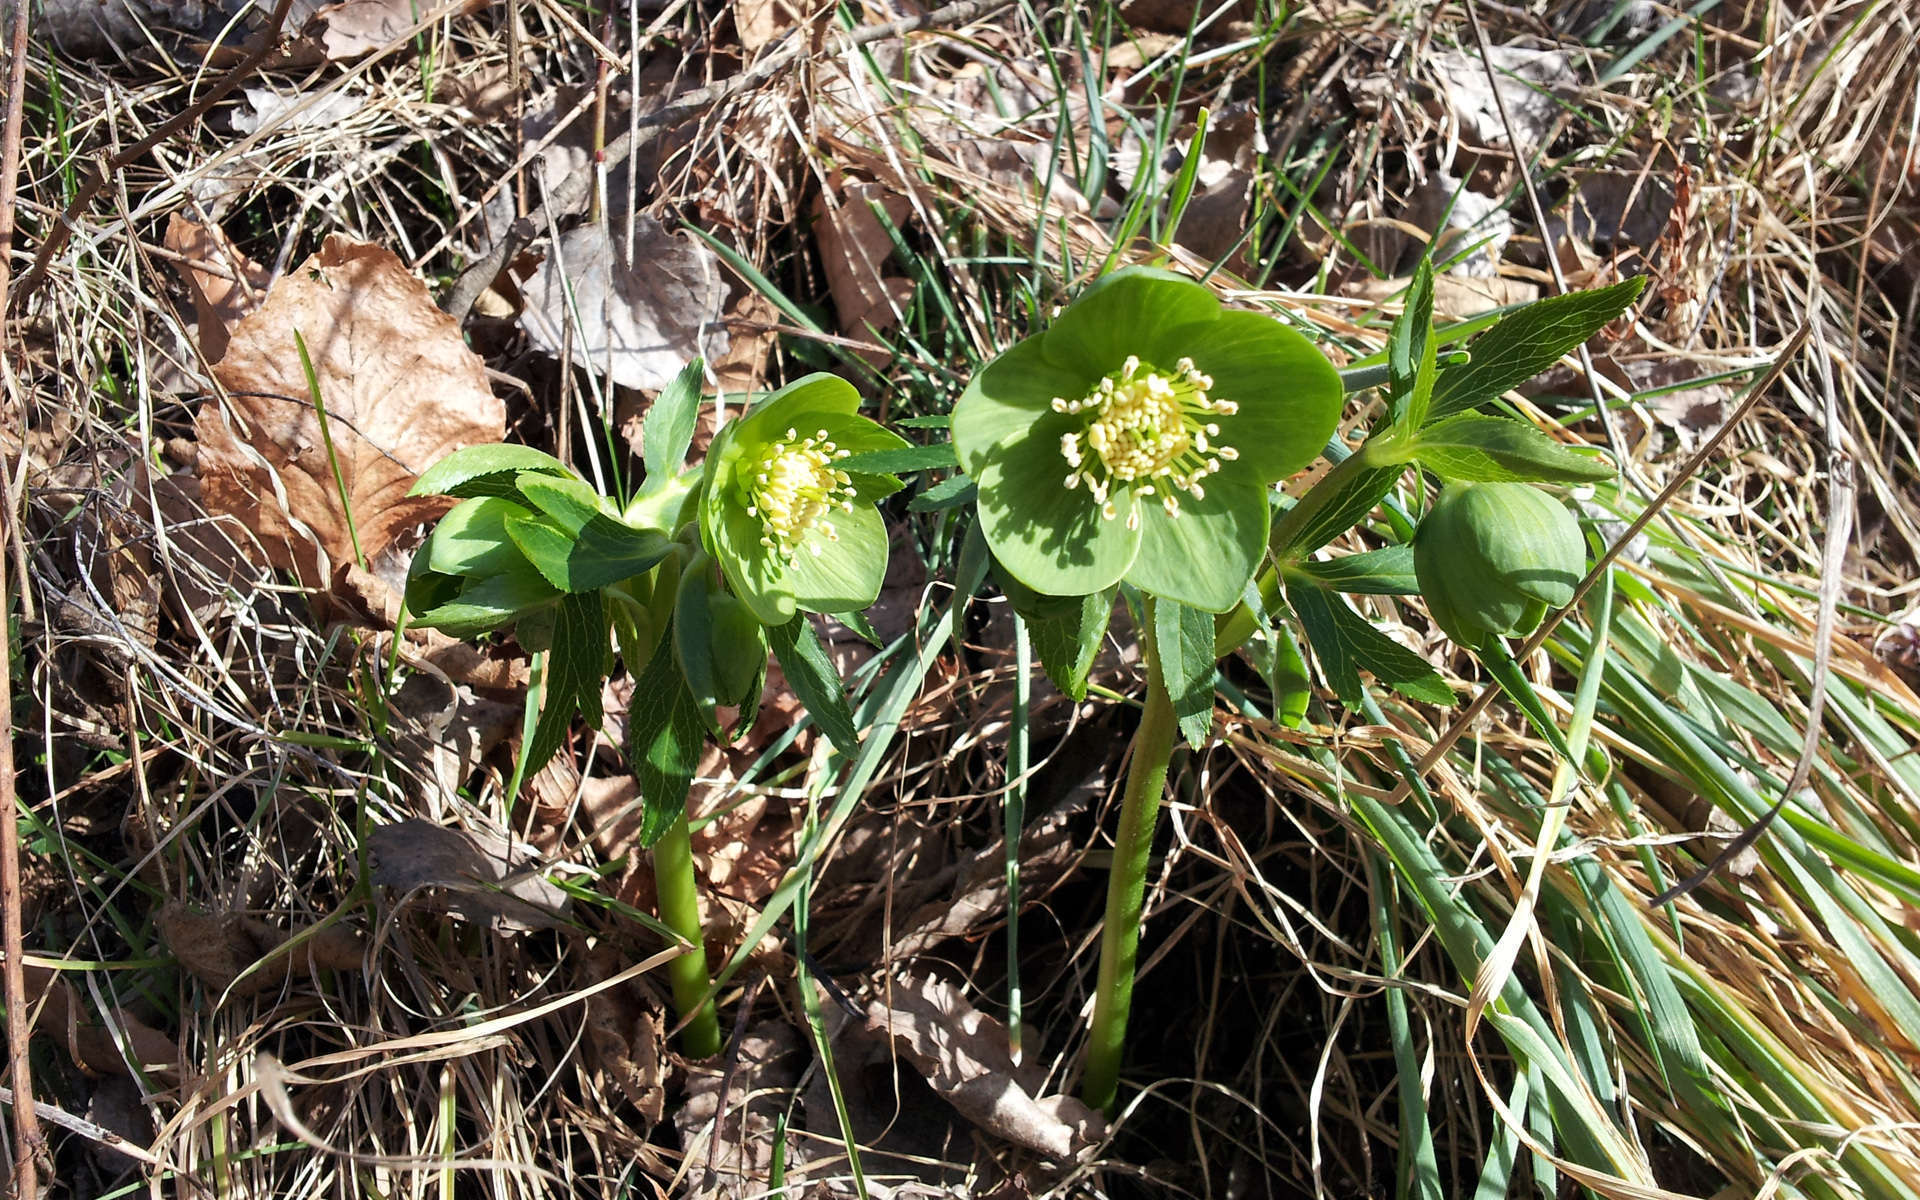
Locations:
(174, 833)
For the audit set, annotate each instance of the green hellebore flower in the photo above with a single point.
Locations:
(1137, 438)
(789, 526)
(1492, 558)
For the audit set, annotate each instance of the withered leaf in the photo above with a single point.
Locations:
(226, 284)
(401, 390)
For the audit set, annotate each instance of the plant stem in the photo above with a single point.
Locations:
(673, 881)
(679, 896)
(1127, 882)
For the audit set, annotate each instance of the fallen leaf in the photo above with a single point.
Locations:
(626, 1032)
(486, 876)
(762, 22)
(963, 1054)
(979, 895)
(226, 285)
(401, 391)
(640, 324)
(243, 956)
(356, 27)
(1529, 81)
(728, 1119)
(90, 1044)
(854, 250)
(1453, 296)
(268, 109)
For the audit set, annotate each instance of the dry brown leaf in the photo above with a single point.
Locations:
(1454, 296)
(963, 1054)
(641, 323)
(90, 1044)
(486, 876)
(492, 670)
(762, 22)
(854, 249)
(626, 1036)
(1529, 81)
(401, 391)
(226, 285)
(355, 27)
(727, 1123)
(242, 956)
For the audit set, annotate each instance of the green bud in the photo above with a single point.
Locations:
(1492, 558)
(739, 647)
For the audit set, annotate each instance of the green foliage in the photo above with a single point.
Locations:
(1346, 643)
(1527, 342)
(1485, 449)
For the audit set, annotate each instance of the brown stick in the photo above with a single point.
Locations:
(63, 228)
(568, 193)
(27, 1141)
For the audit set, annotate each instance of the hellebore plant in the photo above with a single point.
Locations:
(1137, 439)
(694, 579)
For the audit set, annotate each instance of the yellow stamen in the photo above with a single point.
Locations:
(795, 487)
(1148, 427)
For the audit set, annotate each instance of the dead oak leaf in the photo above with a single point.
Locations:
(401, 391)
(226, 285)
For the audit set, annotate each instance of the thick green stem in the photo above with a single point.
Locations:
(680, 910)
(1127, 883)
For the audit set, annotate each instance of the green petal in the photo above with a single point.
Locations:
(1289, 395)
(1007, 396)
(1047, 536)
(754, 574)
(1204, 557)
(471, 540)
(1128, 312)
(802, 402)
(846, 574)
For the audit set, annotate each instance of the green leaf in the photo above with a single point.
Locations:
(1277, 657)
(1347, 643)
(1479, 448)
(1184, 638)
(1065, 631)
(812, 678)
(471, 540)
(573, 677)
(1527, 342)
(953, 492)
(1387, 571)
(486, 604)
(1410, 352)
(570, 502)
(898, 462)
(693, 643)
(664, 739)
(668, 429)
(1360, 495)
(484, 471)
(605, 551)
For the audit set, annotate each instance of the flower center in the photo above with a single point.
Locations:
(1150, 431)
(794, 490)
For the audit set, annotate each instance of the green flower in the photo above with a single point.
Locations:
(789, 524)
(1492, 558)
(1137, 439)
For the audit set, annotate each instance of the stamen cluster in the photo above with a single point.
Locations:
(1151, 431)
(795, 489)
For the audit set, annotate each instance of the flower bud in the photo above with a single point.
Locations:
(1492, 558)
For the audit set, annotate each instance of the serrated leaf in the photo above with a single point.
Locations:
(1387, 571)
(1480, 448)
(668, 429)
(1361, 494)
(570, 502)
(811, 676)
(543, 543)
(458, 473)
(1527, 342)
(899, 462)
(951, 492)
(1410, 351)
(693, 644)
(573, 676)
(1276, 656)
(1346, 643)
(1184, 638)
(605, 551)
(485, 605)
(664, 739)
(1065, 633)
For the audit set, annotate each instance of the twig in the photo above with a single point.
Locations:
(569, 192)
(27, 1141)
(63, 228)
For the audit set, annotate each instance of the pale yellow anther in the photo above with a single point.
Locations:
(795, 489)
(1149, 427)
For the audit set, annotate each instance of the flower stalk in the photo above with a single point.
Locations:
(1151, 750)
